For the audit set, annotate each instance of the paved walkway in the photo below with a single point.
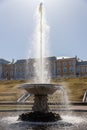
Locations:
(81, 107)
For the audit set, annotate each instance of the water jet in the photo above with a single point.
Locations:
(40, 90)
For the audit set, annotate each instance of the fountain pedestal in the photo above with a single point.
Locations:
(40, 107)
(40, 103)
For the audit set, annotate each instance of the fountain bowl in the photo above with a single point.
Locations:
(40, 89)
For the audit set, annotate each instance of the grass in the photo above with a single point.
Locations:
(8, 87)
(75, 88)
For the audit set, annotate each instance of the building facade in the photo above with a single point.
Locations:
(3, 69)
(81, 68)
(57, 67)
(20, 69)
(66, 67)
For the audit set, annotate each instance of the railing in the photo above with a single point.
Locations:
(85, 97)
(24, 97)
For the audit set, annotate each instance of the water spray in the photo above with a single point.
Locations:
(41, 40)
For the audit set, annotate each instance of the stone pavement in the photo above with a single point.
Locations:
(78, 107)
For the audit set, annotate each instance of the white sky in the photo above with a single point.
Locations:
(66, 18)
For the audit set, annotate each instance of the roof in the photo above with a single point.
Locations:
(33, 59)
(62, 57)
(3, 61)
(21, 61)
(51, 58)
(82, 63)
(65, 57)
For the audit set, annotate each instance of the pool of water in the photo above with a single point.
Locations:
(74, 121)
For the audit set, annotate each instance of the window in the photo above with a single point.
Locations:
(74, 61)
(71, 69)
(58, 63)
(71, 62)
(58, 70)
(83, 69)
(78, 69)
(64, 63)
(86, 68)
(64, 69)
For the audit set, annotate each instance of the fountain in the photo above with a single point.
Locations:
(40, 90)
(41, 118)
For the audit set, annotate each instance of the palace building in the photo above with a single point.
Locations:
(58, 67)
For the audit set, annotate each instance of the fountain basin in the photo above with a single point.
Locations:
(40, 89)
(40, 110)
(40, 117)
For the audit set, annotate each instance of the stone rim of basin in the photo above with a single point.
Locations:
(40, 89)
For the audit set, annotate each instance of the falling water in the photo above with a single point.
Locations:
(41, 64)
(41, 70)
